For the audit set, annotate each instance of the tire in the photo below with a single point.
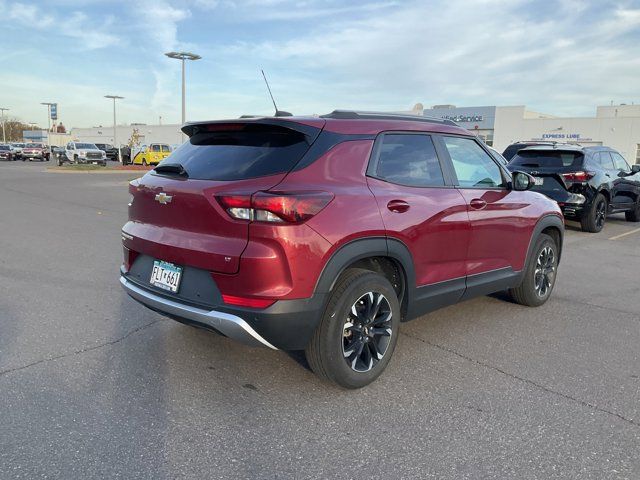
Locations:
(536, 286)
(593, 221)
(634, 214)
(341, 332)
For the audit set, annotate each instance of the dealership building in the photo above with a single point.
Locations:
(138, 134)
(616, 126)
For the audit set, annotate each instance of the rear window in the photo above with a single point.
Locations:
(250, 151)
(537, 158)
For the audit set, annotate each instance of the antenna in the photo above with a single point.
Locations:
(279, 113)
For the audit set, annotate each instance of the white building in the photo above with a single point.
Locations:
(144, 134)
(616, 126)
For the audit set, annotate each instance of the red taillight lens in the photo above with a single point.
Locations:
(247, 302)
(275, 207)
(578, 176)
(291, 207)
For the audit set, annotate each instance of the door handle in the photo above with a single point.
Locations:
(477, 204)
(398, 206)
(608, 175)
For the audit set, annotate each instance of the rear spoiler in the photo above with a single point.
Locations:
(311, 128)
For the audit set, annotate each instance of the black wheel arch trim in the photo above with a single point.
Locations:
(361, 248)
(548, 221)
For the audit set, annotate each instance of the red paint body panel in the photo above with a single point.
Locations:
(192, 229)
(435, 228)
(501, 230)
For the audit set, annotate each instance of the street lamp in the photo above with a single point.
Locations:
(4, 136)
(114, 98)
(183, 56)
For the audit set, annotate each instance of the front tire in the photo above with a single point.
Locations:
(540, 274)
(359, 330)
(594, 219)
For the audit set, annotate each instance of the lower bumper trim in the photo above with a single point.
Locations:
(229, 325)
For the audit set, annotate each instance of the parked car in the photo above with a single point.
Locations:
(152, 154)
(587, 182)
(6, 153)
(88, 153)
(110, 150)
(35, 151)
(512, 149)
(323, 234)
(16, 149)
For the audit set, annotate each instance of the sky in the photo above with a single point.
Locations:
(558, 57)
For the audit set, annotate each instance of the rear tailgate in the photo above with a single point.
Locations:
(548, 167)
(174, 214)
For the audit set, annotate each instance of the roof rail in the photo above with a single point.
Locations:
(355, 115)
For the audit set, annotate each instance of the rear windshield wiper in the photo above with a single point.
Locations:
(171, 169)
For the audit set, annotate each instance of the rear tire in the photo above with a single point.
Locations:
(593, 221)
(633, 215)
(539, 275)
(353, 350)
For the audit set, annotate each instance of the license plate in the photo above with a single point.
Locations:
(538, 181)
(166, 275)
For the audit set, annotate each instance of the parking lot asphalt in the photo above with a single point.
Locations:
(93, 385)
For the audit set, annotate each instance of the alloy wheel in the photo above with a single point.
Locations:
(545, 271)
(601, 214)
(367, 331)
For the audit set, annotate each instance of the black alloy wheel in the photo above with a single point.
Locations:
(545, 271)
(367, 331)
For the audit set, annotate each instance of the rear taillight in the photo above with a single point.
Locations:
(578, 176)
(247, 302)
(275, 207)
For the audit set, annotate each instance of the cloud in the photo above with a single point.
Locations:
(491, 52)
(93, 34)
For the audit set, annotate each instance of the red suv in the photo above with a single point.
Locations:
(324, 233)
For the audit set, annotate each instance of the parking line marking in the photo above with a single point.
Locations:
(625, 234)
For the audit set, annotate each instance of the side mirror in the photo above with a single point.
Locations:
(635, 168)
(522, 181)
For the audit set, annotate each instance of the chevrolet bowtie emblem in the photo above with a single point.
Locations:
(163, 198)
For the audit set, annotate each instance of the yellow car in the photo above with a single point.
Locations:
(152, 154)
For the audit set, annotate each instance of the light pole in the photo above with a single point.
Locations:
(114, 98)
(4, 136)
(183, 56)
(48, 104)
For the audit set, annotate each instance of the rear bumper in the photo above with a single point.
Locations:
(286, 325)
(229, 325)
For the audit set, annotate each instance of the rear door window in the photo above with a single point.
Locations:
(473, 166)
(408, 159)
(165, 148)
(240, 152)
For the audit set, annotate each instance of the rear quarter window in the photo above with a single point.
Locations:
(249, 152)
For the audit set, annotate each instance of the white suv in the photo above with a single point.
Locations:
(77, 152)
